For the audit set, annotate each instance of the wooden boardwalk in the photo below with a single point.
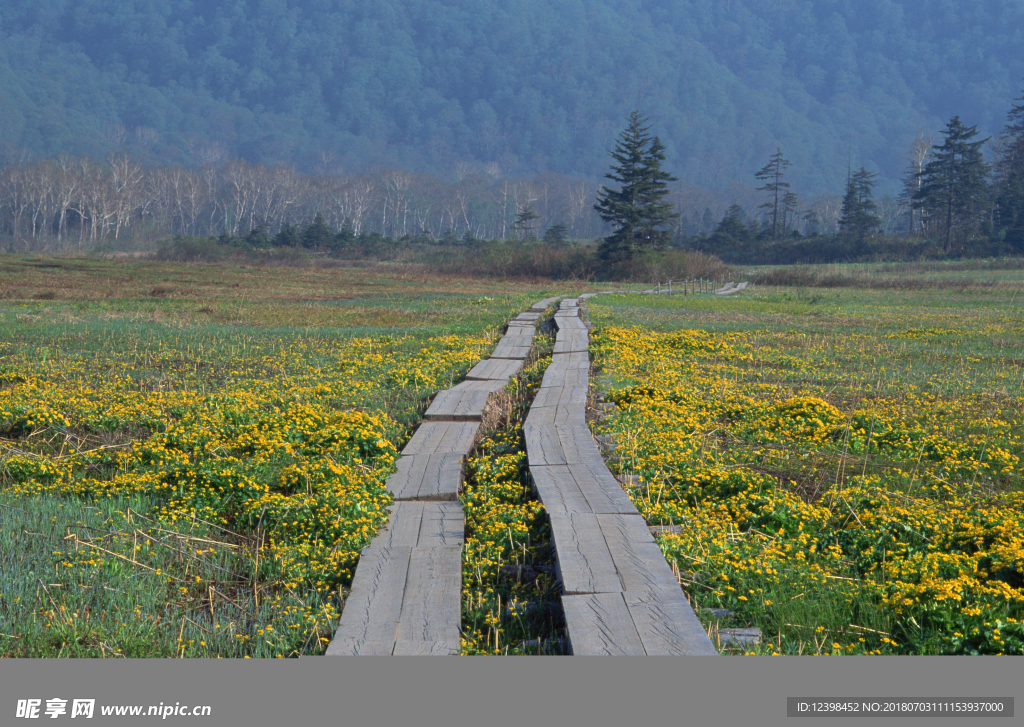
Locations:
(407, 591)
(619, 593)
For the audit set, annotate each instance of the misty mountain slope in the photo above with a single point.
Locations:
(530, 84)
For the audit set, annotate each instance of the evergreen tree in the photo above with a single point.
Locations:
(954, 184)
(731, 236)
(858, 217)
(1010, 177)
(638, 209)
(523, 226)
(771, 174)
(557, 235)
(317, 235)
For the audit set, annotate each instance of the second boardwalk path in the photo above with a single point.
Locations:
(619, 593)
(406, 595)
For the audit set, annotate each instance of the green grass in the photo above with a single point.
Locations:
(192, 589)
(943, 355)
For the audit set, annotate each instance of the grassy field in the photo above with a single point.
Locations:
(843, 453)
(191, 456)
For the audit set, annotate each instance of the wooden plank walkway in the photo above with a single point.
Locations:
(620, 595)
(407, 590)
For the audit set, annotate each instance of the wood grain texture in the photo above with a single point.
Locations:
(530, 315)
(561, 376)
(511, 349)
(560, 395)
(600, 624)
(667, 624)
(582, 560)
(570, 323)
(426, 648)
(549, 444)
(427, 477)
(640, 564)
(558, 500)
(431, 607)
(571, 341)
(369, 622)
(543, 305)
(463, 402)
(578, 360)
(422, 524)
(441, 437)
(495, 369)
(568, 303)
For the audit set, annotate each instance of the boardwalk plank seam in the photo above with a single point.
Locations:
(407, 590)
(620, 595)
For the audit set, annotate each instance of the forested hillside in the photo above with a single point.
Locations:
(529, 85)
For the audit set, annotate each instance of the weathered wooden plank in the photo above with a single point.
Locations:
(560, 396)
(600, 489)
(640, 563)
(566, 313)
(530, 315)
(440, 436)
(571, 341)
(510, 349)
(495, 369)
(369, 621)
(563, 415)
(568, 303)
(581, 554)
(599, 623)
(426, 648)
(558, 500)
(427, 477)
(543, 305)
(443, 523)
(570, 323)
(550, 444)
(556, 375)
(577, 360)
(431, 608)
(520, 335)
(631, 527)
(402, 529)
(424, 524)
(666, 623)
(540, 417)
(463, 402)
(543, 446)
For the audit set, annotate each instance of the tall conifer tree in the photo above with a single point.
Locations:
(638, 209)
(771, 174)
(954, 191)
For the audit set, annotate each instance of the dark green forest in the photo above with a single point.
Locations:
(525, 86)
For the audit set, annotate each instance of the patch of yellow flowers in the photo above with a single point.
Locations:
(837, 515)
(293, 441)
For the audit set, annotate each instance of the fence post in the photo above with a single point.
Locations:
(670, 288)
(659, 287)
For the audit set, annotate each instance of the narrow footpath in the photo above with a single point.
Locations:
(619, 593)
(406, 595)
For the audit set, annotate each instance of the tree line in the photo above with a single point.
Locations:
(71, 203)
(953, 201)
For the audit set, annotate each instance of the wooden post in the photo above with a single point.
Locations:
(670, 288)
(659, 288)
